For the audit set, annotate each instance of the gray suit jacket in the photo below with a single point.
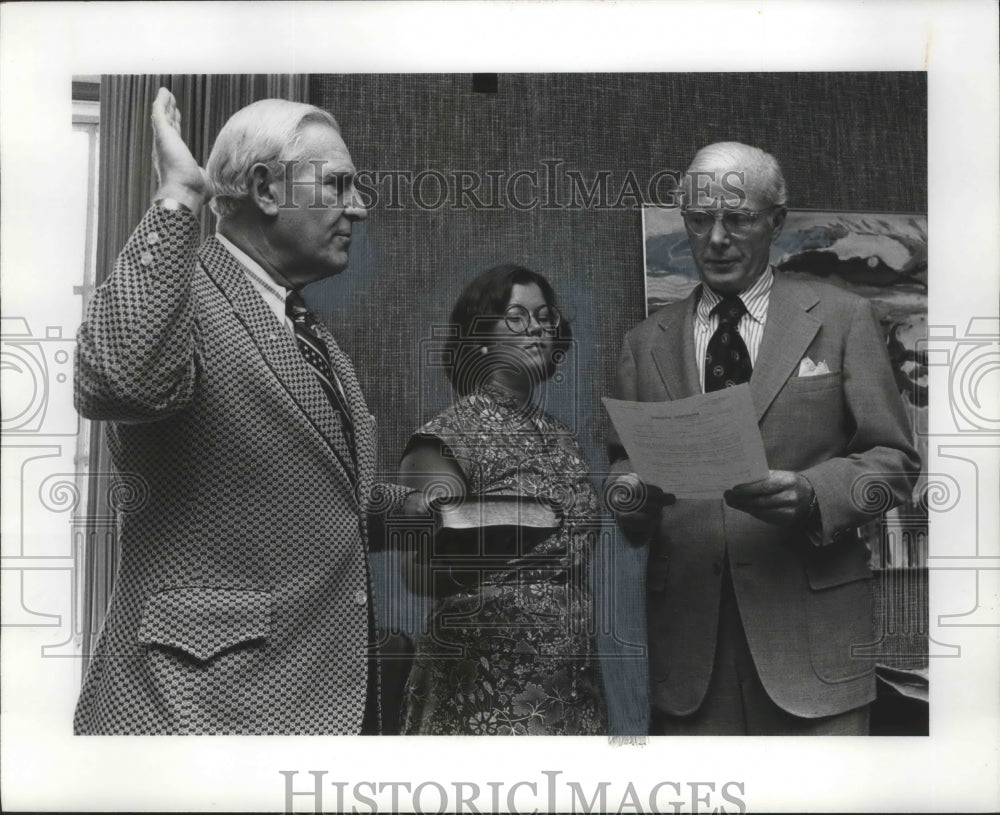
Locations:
(241, 599)
(804, 607)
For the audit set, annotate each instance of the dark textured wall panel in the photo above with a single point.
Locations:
(845, 141)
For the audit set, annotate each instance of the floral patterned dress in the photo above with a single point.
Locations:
(513, 654)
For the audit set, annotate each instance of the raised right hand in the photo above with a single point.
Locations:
(178, 174)
(635, 504)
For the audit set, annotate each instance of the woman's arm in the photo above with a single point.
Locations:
(425, 467)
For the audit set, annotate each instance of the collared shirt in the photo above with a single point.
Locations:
(751, 326)
(273, 293)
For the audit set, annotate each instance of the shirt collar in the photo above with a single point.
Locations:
(273, 292)
(755, 298)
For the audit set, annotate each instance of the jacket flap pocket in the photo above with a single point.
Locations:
(205, 621)
(837, 564)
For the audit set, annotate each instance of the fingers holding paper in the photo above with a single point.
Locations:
(783, 498)
(635, 504)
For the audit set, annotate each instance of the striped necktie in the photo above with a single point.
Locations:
(314, 352)
(727, 360)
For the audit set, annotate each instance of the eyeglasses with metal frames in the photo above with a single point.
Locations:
(518, 318)
(738, 222)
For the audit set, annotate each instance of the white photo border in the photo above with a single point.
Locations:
(44, 767)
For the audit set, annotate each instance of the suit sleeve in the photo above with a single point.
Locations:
(388, 498)
(625, 389)
(136, 349)
(880, 465)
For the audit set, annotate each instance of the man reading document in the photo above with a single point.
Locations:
(756, 603)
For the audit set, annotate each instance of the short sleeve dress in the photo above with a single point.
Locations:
(514, 654)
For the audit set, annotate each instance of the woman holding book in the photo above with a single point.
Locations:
(509, 649)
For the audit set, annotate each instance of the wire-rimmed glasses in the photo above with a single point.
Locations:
(518, 318)
(737, 222)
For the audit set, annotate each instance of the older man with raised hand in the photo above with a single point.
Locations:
(759, 605)
(242, 601)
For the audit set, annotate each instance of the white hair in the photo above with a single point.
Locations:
(261, 133)
(760, 171)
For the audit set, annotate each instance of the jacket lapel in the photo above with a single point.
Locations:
(789, 331)
(675, 355)
(278, 349)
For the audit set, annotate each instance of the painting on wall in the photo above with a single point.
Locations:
(880, 256)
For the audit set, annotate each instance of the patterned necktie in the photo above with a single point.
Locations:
(727, 361)
(315, 352)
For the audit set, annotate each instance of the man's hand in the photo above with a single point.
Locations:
(414, 506)
(783, 498)
(635, 504)
(178, 174)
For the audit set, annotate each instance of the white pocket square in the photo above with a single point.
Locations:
(809, 368)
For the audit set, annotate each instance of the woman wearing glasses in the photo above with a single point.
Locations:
(508, 650)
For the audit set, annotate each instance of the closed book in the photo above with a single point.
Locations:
(480, 511)
(491, 528)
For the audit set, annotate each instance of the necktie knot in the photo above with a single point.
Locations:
(730, 309)
(295, 308)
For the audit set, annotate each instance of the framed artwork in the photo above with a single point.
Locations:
(880, 255)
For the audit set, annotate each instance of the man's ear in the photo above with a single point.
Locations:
(263, 189)
(778, 221)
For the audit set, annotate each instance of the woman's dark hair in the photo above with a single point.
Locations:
(483, 301)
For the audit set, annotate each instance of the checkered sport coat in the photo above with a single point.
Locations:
(241, 599)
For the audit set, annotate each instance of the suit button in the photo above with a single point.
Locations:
(716, 568)
(152, 238)
(360, 597)
(146, 259)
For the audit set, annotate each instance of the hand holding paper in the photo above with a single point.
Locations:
(698, 447)
(782, 498)
(635, 504)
